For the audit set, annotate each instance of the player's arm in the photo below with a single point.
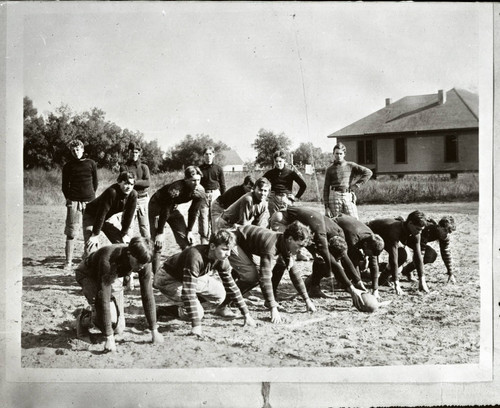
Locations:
(301, 183)
(106, 270)
(191, 272)
(364, 174)
(419, 263)
(444, 248)
(235, 294)
(95, 180)
(148, 302)
(266, 287)
(104, 206)
(393, 266)
(65, 182)
(129, 212)
(326, 192)
(222, 181)
(300, 286)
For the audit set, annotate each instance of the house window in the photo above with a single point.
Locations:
(451, 148)
(400, 150)
(365, 151)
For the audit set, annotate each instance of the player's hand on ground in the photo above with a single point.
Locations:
(126, 239)
(156, 336)
(376, 294)
(357, 300)
(451, 279)
(249, 321)
(422, 285)
(328, 213)
(110, 343)
(310, 306)
(196, 330)
(159, 239)
(397, 288)
(190, 237)
(275, 315)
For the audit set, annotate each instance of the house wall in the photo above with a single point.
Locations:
(232, 167)
(424, 154)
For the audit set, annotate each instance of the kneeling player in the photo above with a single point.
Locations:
(101, 277)
(187, 274)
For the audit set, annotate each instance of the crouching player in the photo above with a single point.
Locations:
(101, 277)
(435, 231)
(269, 246)
(329, 249)
(187, 275)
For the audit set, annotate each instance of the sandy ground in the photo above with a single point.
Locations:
(438, 328)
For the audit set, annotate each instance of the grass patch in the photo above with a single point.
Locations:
(43, 187)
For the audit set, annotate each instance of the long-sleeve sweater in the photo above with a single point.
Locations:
(111, 262)
(79, 180)
(323, 229)
(231, 195)
(267, 245)
(110, 202)
(247, 210)
(346, 175)
(170, 195)
(431, 233)
(282, 181)
(213, 177)
(142, 176)
(187, 266)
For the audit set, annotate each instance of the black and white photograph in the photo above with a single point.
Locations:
(249, 204)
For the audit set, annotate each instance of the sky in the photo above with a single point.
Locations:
(229, 69)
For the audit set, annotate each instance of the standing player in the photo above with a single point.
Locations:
(214, 184)
(163, 209)
(188, 274)
(141, 172)
(250, 209)
(79, 185)
(100, 276)
(230, 196)
(396, 231)
(282, 178)
(343, 177)
(435, 232)
(330, 255)
(112, 213)
(252, 240)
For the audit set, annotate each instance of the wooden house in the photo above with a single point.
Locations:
(437, 133)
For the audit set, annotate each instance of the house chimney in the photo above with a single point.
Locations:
(441, 97)
(387, 101)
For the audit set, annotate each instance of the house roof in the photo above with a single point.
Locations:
(419, 113)
(231, 158)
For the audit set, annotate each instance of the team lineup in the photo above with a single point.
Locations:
(250, 235)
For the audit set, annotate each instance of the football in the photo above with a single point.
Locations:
(371, 303)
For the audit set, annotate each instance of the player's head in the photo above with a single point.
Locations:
(416, 222)
(221, 243)
(339, 151)
(372, 245)
(262, 188)
(248, 183)
(126, 181)
(279, 158)
(192, 175)
(446, 226)
(140, 252)
(209, 154)
(134, 151)
(76, 148)
(297, 235)
(337, 247)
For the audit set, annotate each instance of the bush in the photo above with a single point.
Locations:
(43, 187)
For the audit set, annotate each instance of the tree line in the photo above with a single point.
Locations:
(46, 140)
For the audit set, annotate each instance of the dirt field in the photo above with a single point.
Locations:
(438, 328)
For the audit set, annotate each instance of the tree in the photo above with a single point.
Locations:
(267, 143)
(306, 153)
(36, 147)
(190, 152)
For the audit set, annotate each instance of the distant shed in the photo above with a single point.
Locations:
(232, 161)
